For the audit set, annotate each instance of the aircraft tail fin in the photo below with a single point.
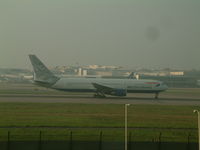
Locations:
(42, 75)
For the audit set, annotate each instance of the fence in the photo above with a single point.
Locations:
(71, 141)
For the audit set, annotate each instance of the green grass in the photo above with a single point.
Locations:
(96, 115)
(100, 115)
(151, 119)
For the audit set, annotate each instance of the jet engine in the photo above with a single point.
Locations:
(119, 92)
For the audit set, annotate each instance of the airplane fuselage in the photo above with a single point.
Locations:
(101, 86)
(131, 85)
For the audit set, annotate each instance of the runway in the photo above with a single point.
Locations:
(89, 99)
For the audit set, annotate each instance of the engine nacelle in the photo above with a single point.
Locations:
(119, 92)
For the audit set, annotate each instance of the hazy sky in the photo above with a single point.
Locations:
(132, 33)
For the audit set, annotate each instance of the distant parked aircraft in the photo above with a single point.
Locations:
(100, 86)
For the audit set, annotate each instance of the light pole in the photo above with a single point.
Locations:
(126, 105)
(196, 111)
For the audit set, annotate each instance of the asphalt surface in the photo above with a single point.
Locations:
(89, 99)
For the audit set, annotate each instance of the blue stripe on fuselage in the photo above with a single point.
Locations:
(94, 90)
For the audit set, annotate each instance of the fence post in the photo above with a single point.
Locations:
(159, 141)
(70, 141)
(8, 141)
(188, 142)
(40, 141)
(129, 141)
(100, 141)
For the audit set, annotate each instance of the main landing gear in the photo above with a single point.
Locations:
(99, 95)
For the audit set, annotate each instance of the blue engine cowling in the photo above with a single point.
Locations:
(119, 92)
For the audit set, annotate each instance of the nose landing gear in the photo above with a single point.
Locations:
(156, 95)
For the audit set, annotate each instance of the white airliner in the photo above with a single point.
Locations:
(100, 86)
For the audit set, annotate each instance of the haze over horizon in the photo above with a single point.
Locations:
(146, 34)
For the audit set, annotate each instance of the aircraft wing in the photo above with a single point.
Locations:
(109, 90)
(102, 88)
